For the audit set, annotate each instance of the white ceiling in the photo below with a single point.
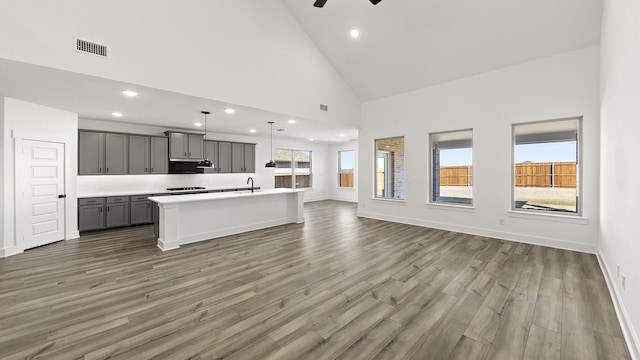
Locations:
(96, 98)
(411, 44)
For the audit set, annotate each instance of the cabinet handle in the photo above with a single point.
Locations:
(101, 209)
(99, 169)
(185, 154)
(107, 169)
(145, 170)
(189, 153)
(151, 169)
(108, 208)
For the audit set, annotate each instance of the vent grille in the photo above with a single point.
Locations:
(89, 47)
(324, 107)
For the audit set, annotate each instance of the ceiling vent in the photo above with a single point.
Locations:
(324, 107)
(89, 47)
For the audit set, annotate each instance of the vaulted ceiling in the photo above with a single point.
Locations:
(410, 44)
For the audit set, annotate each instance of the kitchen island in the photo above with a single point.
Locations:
(185, 219)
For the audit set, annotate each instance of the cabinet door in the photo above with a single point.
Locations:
(138, 154)
(249, 158)
(196, 147)
(211, 152)
(141, 212)
(90, 217)
(116, 154)
(159, 155)
(90, 153)
(178, 146)
(237, 158)
(224, 157)
(117, 214)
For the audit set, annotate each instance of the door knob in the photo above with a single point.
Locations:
(62, 196)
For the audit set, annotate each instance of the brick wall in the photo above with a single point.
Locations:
(395, 147)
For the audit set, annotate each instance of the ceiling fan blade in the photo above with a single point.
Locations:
(375, 2)
(320, 3)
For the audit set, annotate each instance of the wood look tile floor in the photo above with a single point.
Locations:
(336, 287)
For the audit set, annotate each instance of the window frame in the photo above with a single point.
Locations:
(430, 197)
(579, 183)
(293, 169)
(340, 169)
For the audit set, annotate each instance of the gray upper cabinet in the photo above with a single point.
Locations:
(139, 157)
(159, 159)
(224, 157)
(237, 158)
(243, 158)
(178, 146)
(249, 158)
(186, 146)
(211, 153)
(91, 153)
(116, 151)
(196, 147)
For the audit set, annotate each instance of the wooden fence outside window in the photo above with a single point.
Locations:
(547, 174)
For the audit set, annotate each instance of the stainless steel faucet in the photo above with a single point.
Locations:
(250, 179)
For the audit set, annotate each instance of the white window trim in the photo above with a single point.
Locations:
(524, 213)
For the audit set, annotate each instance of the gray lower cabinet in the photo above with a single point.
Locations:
(117, 211)
(141, 212)
(90, 153)
(139, 157)
(243, 158)
(116, 154)
(159, 160)
(91, 214)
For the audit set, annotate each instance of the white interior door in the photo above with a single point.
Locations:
(43, 193)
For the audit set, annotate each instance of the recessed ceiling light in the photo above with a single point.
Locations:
(252, 130)
(229, 110)
(355, 33)
(116, 114)
(198, 124)
(129, 93)
(291, 121)
(311, 139)
(341, 135)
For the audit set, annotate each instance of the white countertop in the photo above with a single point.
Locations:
(177, 199)
(144, 192)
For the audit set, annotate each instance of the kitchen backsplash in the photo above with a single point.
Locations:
(150, 183)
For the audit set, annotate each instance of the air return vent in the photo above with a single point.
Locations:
(89, 47)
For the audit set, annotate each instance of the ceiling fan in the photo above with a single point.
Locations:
(320, 3)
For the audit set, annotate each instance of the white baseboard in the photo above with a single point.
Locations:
(338, 198)
(6, 252)
(535, 240)
(630, 335)
(73, 235)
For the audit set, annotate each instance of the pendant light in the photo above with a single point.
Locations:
(206, 162)
(271, 163)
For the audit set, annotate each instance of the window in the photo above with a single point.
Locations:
(389, 168)
(545, 171)
(451, 167)
(293, 168)
(345, 168)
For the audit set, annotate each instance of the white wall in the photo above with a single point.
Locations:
(335, 191)
(263, 177)
(620, 133)
(561, 86)
(245, 52)
(44, 123)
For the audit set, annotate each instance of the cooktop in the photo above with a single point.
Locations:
(186, 188)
